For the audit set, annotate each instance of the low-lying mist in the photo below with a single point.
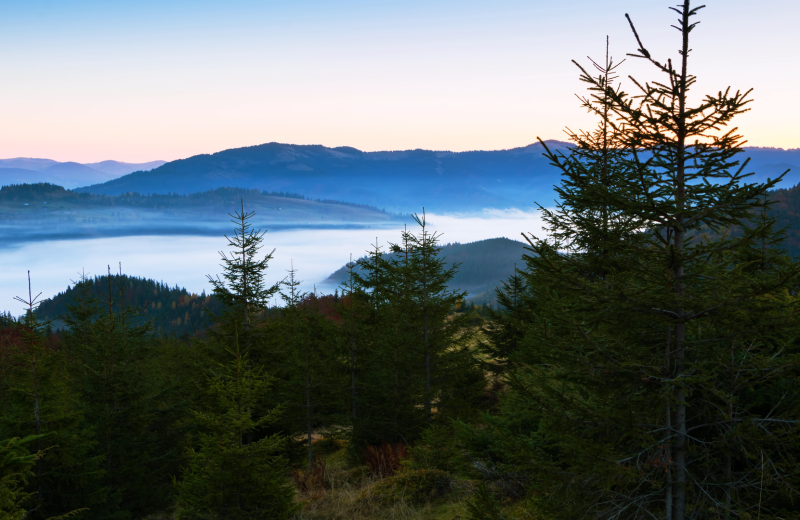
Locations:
(186, 260)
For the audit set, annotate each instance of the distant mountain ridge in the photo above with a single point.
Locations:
(24, 170)
(398, 180)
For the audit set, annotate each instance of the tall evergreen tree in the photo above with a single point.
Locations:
(242, 289)
(651, 329)
(419, 369)
(228, 475)
(42, 401)
(237, 471)
(123, 399)
(450, 375)
(312, 371)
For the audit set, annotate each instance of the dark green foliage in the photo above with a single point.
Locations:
(133, 390)
(417, 485)
(311, 365)
(435, 449)
(506, 326)
(173, 311)
(484, 506)
(229, 476)
(16, 463)
(649, 343)
(236, 471)
(413, 355)
(39, 398)
(242, 290)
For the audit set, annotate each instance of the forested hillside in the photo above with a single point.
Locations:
(786, 212)
(170, 310)
(46, 211)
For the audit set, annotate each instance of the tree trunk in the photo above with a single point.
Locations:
(679, 512)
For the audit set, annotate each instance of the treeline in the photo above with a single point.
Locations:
(172, 311)
(222, 197)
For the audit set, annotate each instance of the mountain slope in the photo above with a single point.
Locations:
(402, 180)
(27, 163)
(117, 168)
(10, 176)
(399, 180)
(483, 265)
(68, 174)
(173, 310)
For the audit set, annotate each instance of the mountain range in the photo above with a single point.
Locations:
(396, 180)
(22, 170)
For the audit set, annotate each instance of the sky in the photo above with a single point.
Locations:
(86, 80)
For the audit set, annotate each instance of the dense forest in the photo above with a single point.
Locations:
(636, 366)
(171, 311)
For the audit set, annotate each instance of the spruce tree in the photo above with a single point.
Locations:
(419, 369)
(42, 401)
(506, 326)
(111, 347)
(660, 317)
(242, 289)
(16, 463)
(228, 476)
(236, 470)
(451, 380)
(312, 371)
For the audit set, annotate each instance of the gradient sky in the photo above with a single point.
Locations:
(143, 80)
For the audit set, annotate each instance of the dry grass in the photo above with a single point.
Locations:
(348, 494)
(385, 460)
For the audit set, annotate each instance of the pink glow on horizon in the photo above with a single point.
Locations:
(87, 81)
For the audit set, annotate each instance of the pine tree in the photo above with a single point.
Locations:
(42, 401)
(242, 289)
(229, 476)
(16, 463)
(237, 471)
(312, 371)
(651, 327)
